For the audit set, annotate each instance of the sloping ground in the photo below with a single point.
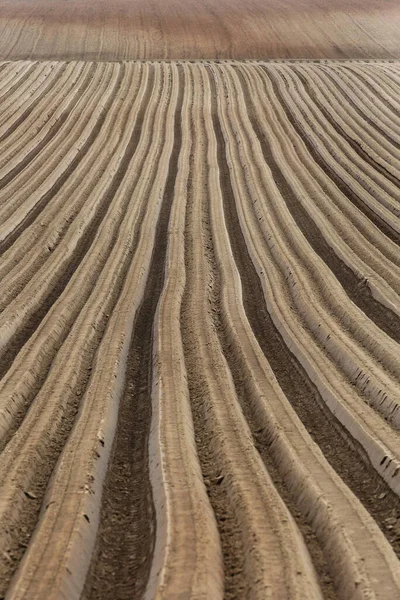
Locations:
(200, 284)
(197, 29)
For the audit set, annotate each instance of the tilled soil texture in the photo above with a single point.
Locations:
(199, 330)
(194, 29)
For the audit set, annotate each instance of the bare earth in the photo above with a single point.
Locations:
(160, 29)
(199, 300)
(199, 330)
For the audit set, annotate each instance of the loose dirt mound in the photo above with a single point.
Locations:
(176, 29)
(199, 330)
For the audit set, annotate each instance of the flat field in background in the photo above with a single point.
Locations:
(155, 29)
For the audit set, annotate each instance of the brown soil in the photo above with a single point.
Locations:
(237, 366)
(339, 449)
(120, 30)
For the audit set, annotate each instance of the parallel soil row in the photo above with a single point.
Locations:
(199, 330)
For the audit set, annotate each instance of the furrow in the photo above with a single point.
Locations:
(199, 330)
(253, 521)
(53, 203)
(26, 190)
(231, 544)
(56, 562)
(352, 235)
(351, 161)
(372, 146)
(47, 425)
(241, 291)
(23, 315)
(11, 75)
(127, 531)
(10, 129)
(392, 70)
(367, 102)
(328, 161)
(187, 556)
(375, 436)
(28, 236)
(36, 120)
(31, 251)
(390, 82)
(14, 166)
(321, 495)
(360, 350)
(32, 363)
(35, 76)
(367, 115)
(3, 66)
(382, 87)
(362, 178)
(336, 205)
(299, 190)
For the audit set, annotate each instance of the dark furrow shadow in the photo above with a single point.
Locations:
(126, 537)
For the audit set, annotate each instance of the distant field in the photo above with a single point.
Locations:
(154, 29)
(199, 327)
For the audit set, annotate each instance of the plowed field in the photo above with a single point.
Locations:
(199, 330)
(176, 29)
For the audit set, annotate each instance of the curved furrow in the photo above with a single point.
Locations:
(391, 67)
(130, 577)
(388, 82)
(319, 492)
(127, 526)
(390, 78)
(35, 98)
(20, 190)
(13, 72)
(367, 116)
(43, 76)
(25, 312)
(47, 425)
(48, 162)
(344, 150)
(375, 436)
(331, 235)
(378, 82)
(254, 524)
(374, 147)
(334, 189)
(330, 158)
(13, 165)
(381, 171)
(187, 554)
(58, 567)
(392, 75)
(8, 70)
(377, 151)
(76, 182)
(35, 120)
(33, 76)
(350, 223)
(366, 101)
(57, 217)
(354, 343)
(199, 327)
(30, 366)
(350, 155)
